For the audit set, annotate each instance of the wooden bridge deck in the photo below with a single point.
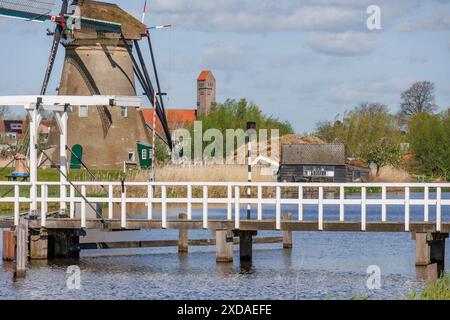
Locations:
(266, 225)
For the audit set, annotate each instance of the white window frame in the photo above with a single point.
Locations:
(83, 111)
(319, 171)
(144, 154)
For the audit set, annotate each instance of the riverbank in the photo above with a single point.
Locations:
(438, 291)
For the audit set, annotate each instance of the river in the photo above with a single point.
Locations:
(321, 265)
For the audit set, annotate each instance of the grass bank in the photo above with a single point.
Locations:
(438, 291)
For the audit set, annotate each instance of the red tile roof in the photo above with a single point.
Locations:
(203, 75)
(177, 118)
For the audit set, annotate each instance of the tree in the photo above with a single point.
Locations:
(381, 153)
(234, 115)
(369, 133)
(419, 98)
(429, 137)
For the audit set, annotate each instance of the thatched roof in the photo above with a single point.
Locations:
(132, 28)
(320, 154)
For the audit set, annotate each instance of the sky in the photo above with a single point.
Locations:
(301, 61)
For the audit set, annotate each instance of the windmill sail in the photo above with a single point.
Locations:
(34, 10)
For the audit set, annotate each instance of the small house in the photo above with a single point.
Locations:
(313, 163)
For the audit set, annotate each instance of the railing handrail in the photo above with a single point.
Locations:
(235, 184)
(233, 199)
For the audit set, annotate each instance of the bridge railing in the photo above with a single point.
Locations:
(233, 200)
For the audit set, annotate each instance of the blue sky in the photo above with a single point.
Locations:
(302, 61)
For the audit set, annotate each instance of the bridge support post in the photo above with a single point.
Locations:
(64, 244)
(183, 236)
(39, 244)
(224, 246)
(8, 245)
(430, 255)
(287, 235)
(21, 238)
(246, 246)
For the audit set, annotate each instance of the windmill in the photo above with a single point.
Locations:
(99, 39)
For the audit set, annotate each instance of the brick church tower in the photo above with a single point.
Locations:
(206, 92)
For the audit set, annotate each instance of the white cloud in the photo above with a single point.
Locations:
(347, 44)
(227, 57)
(262, 15)
(275, 15)
(380, 88)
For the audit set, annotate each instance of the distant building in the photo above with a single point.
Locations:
(206, 92)
(319, 163)
(176, 118)
(44, 130)
(13, 129)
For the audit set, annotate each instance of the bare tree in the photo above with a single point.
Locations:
(419, 98)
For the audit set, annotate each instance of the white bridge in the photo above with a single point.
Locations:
(273, 196)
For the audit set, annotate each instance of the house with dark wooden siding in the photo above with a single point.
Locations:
(313, 163)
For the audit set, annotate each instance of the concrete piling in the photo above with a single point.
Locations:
(21, 237)
(183, 236)
(64, 243)
(287, 235)
(430, 255)
(39, 244)
(224, 246)
(246, 245)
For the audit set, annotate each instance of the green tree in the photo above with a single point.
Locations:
(234, 115)
(369, 133)
(429, 138)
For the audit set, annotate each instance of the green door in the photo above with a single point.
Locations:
(77, 157)
(145, 155)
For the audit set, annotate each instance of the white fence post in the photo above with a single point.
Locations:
(438, 209)
(150, 202)
(110, 202)
(229, 202)
(83, 207)
(341, 204)
(123, 207)
(164, 206)
(363, 208)
(300, 203)
(44, 193)
(278, 208)
(205, 207)
(72, 202)
(320, 209)
(260, 197)
(383, 204)
(16, 205)
(407, 213)
(426, 208)
(189, 203)
(237, 208)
